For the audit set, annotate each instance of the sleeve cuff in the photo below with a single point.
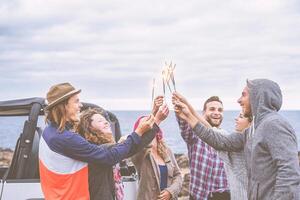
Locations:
(136, 138)
(155, 128)
(198, 128)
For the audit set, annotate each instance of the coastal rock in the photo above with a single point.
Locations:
(183, 163)
(5, 157)
(185, 186)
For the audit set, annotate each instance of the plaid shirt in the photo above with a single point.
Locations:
(207, 170)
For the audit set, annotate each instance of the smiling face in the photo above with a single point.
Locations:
(214, 113)
(99, 123)
(241, 123)
(73, 108)
(244, 102)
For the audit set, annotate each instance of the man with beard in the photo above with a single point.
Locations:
(208, 179)
(269, 145)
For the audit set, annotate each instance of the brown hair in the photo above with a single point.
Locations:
(84, 128)
(57, 114)
(250, 118)
(210, 99)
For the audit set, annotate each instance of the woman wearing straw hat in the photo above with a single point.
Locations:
(64, 154)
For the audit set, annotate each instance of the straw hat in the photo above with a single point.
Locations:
(59, 93)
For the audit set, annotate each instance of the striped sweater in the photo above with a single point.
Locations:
(63, 159)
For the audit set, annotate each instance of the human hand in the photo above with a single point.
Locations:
(178, 96)
(158, 101)
(183, 112)
(164, 195)
(145, 125)
(161, 114)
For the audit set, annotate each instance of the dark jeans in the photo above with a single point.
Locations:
(219, 196)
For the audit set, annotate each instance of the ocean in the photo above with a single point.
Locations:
(172, 133)
(11, 127)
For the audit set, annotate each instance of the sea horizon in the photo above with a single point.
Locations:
(12, 126)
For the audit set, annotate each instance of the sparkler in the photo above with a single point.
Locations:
(153, 91)
(168, 74)
(164, 86)
(173, 79)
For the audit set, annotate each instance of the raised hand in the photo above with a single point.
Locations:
(176, 97)
(145, 125)
(158, 101)
(183, 112)
(179, 97)
(161, 114)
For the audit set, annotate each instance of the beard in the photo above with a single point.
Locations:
(247, 112)
(214, 122)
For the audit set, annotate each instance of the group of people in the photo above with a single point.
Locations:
(78, 155)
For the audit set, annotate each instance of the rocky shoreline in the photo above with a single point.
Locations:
(183, 164)
(5, 157)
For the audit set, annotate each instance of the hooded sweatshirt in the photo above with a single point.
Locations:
(270, 146)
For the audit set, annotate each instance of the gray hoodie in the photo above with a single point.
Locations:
(270, 146)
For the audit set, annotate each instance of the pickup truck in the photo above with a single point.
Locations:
(20, 176)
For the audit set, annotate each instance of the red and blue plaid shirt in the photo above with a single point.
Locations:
(207, 170)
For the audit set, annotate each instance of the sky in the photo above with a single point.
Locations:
(113, 49)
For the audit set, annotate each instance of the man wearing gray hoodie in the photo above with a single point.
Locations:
(270, 144)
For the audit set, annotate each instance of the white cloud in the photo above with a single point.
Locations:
(118, 46)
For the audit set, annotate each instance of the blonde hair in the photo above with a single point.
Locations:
(85, 129)
(58, 115)
(161, 145)
(162, 149)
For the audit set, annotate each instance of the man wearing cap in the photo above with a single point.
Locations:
(64, 154)
(269, 145)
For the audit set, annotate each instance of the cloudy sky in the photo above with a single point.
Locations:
(113, 49)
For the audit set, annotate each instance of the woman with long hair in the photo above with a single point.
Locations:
(159, 174)
(64, 155)
(104, 180)
(235, 163)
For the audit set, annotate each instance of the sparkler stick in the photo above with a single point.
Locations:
(167, 76)
(164, 86)
(153, 91)
(169, 86)
(173, 79)
(170, 76)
